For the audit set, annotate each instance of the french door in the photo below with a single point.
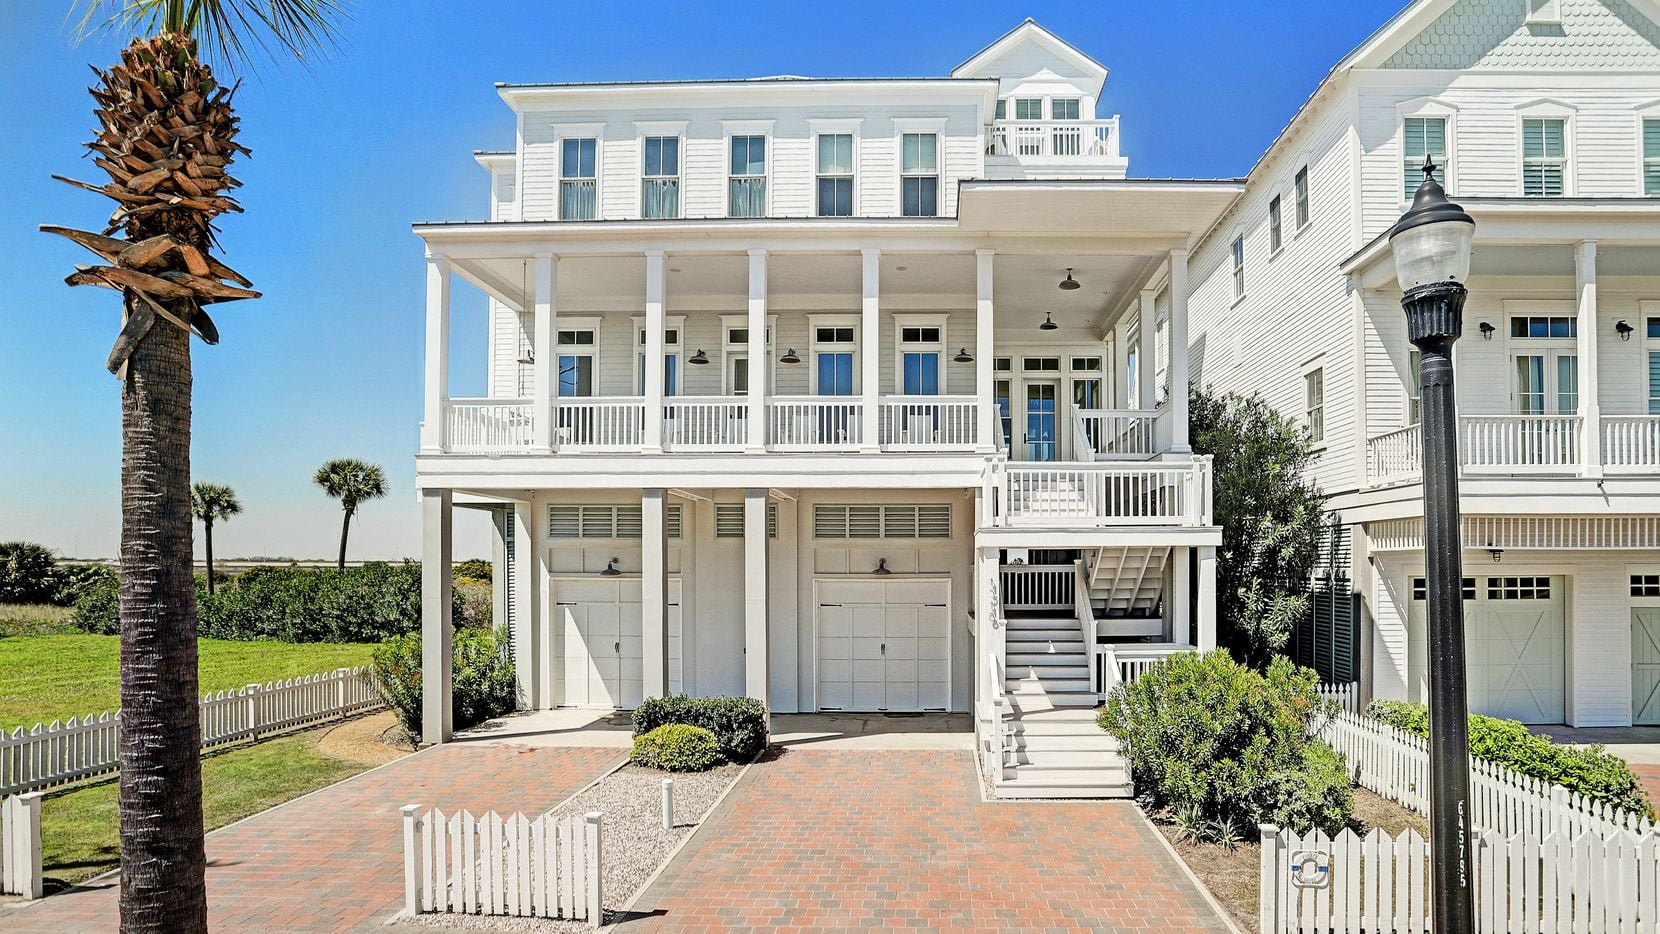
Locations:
(1042, 421)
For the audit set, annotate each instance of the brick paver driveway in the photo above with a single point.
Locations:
(864, 840)
(334, 860)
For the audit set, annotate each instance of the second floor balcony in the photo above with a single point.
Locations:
(1526, 445)
(1035, 148)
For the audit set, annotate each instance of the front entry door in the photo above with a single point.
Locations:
(1042, 425)
(1645, 665)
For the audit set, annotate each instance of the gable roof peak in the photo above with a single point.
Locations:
(1030, 30)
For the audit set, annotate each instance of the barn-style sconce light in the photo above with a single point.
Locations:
(1487, 331)
(1048, 323)
(1623, 329)
(789, 358)
(882, 568)
(962, 356)
(1070, 284)
(698, 359)
(611, 569)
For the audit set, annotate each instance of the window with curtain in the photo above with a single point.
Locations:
(577, 168)
(919, 175)
(835, 175)
(1423, 136)
(747, 186)
(660, 192)
(1651, 157)
(1276, 229)
(1544, 157)
(1314, 392)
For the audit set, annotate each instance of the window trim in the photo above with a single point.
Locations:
(1276, 226)
(937, 348)
(672, 129)
(814, 322)
(1643, 114)
(1236, 253)
(730, 351)
(1651, 345)
(849, 128)
(1301, 196)
(593, 324)
(1547, 110)
(675, 323)
(579, 131)
(731, 129)
(1429, 108)
(1313, 373)
(924, 126)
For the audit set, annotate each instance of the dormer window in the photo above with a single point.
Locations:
(1063, 108)
(1028, 108)
(1544, 13)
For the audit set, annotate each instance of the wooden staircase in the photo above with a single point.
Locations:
(1126, 581)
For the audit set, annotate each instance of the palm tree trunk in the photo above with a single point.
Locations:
(345, 527)
(163, 866)
(207, 534)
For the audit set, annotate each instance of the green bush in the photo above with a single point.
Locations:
(1225, 745)
(28, 573)
(77, 580)
(98, 608)
(1590, 770)
(475, 568)
(482, 682)
(676, 747)
(739, 723)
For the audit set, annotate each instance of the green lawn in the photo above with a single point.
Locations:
(51, 677)
(79, 827)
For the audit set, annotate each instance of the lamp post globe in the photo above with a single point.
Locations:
(1431, 244)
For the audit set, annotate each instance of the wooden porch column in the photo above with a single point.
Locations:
(760, 359)
(527, 616)
(1146, 352)
(654, 593)
(755, 596)
(1181, 594)
(1178, 352)
(437, 720)
(1206, 635)
(652, 442)
(870, 346)
(1590, 407)
(985, 381)
(435, 415)
(544, 408)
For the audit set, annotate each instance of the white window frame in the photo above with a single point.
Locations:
(1645, 113)
(669, 128)
(730, 129)
(1428, 108)
(814, 322)
(1543, 13)
(1042, 107)
(817, 128)
(937, 348)
(595, 132)
(1302, 197)
(926, 125)
(1547, 110)
(573, 323)
(1551, 348)
(1079, 100)
(1276, 225)
(1651, 345)
(1313, 372)
(1236, 253)
(1412, 391)
(730, 350)
(675, 323)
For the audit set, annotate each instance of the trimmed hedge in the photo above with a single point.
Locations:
(739, 723)
(677, 747)
(483, 686)
(1224, 746)
(1590, 770)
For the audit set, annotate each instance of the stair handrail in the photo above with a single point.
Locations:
(996, 702)
(1084, 612)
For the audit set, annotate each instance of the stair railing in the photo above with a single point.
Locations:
(996, 756)
(1100, 679)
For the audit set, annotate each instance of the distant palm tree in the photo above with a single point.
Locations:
(352, 482)
(211, 502)
(167, 140)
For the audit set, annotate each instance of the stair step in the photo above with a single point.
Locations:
(1049, 672)
(1041, 622)
(1094, 773)
(1034, 655)
(1026, 702)
(1026, 759)
(1043, 684)
(1056, 717)
(1014, 788)
(1069, 640)
(1096, 743)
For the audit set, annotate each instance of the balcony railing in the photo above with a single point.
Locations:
(1047, 138)
(489, 424)
(1524, 444)
(1100, 494)
(595, 423)
(719, 423)
(1107, 434)
(928, 422)
(814, 423)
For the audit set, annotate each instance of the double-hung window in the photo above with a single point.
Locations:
(747, 186)
(1423, 137)
(1653, 365)
(660, 183)
(1544, 157)
(1299, 192)
(1314, 397)
(835, 175)
(1276, 226)
(1414, 387)
(919, 182)
(1239, 267)
(1651, 157)
(577, 178)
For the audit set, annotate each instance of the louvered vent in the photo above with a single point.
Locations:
(599, 521)
(729, 520)
(874, 521)
(671, 522)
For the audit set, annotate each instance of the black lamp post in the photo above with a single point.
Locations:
(1431, 243)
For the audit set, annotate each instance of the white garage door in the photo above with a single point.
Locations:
(1515, 643)
(600, 621)
(884, 645)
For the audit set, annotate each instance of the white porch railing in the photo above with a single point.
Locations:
(1114, 433)
(1053, 138)
(599, 423)
(1631, 443)
(1509, 443)
(489, 424)
(1396, 455)
(717, 423)
(1037, 586)
(1132, 661)
(1101, 493)
(928, 422)
(814, 423)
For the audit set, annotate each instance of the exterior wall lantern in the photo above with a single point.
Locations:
(963, 356)
(699, 358)
(1623, 329)
(789, 358)
(1487, 331)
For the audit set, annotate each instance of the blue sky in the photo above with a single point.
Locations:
(352, 149)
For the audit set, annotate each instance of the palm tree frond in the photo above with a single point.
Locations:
(213, 501)
(232, 32)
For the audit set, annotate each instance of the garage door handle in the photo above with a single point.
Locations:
(616, 647)
(884, 648)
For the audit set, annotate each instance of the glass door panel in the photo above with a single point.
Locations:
(1040, 422)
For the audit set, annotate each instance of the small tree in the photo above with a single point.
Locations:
(1271, 515)
(211, 502)
(352, 482)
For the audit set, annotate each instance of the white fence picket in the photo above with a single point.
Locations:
(542, 866)
(20, 852)
(83, 747)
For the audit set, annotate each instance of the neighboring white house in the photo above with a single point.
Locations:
(838, 393)
(1546, 117)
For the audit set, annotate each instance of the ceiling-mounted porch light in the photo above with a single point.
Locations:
(1623, 329)
(698, 359)
(1048, 323)
(789, 357)
(611, 569)
(882, 568)
(962, 356)
(1070, 284)
(1487, 331)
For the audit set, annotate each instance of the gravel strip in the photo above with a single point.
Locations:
(635, 845)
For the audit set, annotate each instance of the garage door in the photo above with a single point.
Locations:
(600, 621)
(884, 645)
(1645, 665)
(1514, 636)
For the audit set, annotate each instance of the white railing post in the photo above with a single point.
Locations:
(20, 850)
(596, 888)
(1269, 890)
(411, 859)
(668, 804)
(340, 676)
(251, 692)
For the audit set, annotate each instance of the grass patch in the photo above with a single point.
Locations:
(34, 619)
(80, 826)
(55, 677)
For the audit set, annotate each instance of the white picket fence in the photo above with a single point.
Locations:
(20, 845)
(82, 747)
(1346, 695)
(1378, 884)
(1395, 765)
(543, 867)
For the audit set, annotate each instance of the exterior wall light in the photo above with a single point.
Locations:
(698, 359)
(1487, 331)
(1623, 329)
(962, 356)
(882, 568)
(611, 569)
(789, 358)
(1497, 553)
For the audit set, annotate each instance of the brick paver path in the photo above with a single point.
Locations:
(865, 840)
(335, 859)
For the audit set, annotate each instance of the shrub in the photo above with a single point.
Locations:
(676, 747)
(476, 568)
(1590, 770)
(739, 723)
(76, 580)
(28, 573)
(97, 609)
(482, 682)
(1227, 746)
